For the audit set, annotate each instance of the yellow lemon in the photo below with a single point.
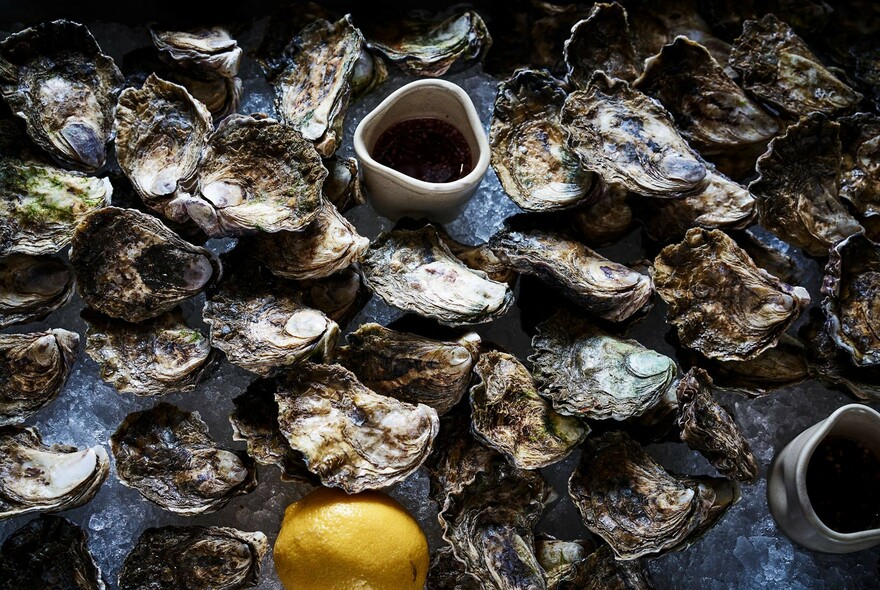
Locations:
(330, 540)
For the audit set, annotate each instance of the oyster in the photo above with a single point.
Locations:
(511, 417)
(409, 367)
(370, 72)
(605, 288)
(712, 113)
(860, 174)
(130, 266)
(328, 244)
(154, 357)
(194, 558)
(40, 205)
(221, 97)
(458, 459)
(33, 369)
(852, 302)
(529, 153)
(722, 304)
(256, 175)
(312, 92)
(415, 271)
(426, 48)
(797, 190)
(55, 77)
(598, 571)
(49, 552)
(342, 187)
(710, 429)
(591, 374)
(479, 257)
(778, 67)
(205, 53)
(630, 501)
(447, 573)
(628, 138)
(161, 132)
(601, 42)
(166, 454)
(771, 254)
(35, 477)
(32, 287)
(605, 220)
(339, 296)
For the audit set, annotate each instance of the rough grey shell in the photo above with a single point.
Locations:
(415, 271)
(54, 76)
(130, 266)
(350, 436)
(49, 552)
(860, 174)
(722, 304)
(32, 287)
(166, 454)
(601, 42)
(35, 477)
(194, 557)
(206, 53)
(33, 370)
(600, 570)
(447, 573)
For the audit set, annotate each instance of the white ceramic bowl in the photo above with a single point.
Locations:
(397, 195)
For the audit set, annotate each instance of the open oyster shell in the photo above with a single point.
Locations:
(154, 357)
(591, 374)
(350, 436)
(32, 287)
(161, 132)
(41, 204)
(195, 558)
(130, 266)
(49, 552)
(722, 304)
(256, 175)
(206, 53)
(510, 416)
(35, 477)
(33, 369)
(852, 302)
(409, 367)
(778, 67)
(605, 288)
(601, 42)
(860, 174)
(639, 509)
(54, 76)
(710, 429)
(599, 570)
(797, 190)
(415, 271)
(529, 153)
(166, 454)
(629, 138)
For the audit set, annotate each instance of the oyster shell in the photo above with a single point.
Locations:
(256, 175)
(605, 288)
(860, 174)
(591, 374)
(206, 53)
(852, 302)
(350, 436)
(510, 416)
(54, 76)
(630, 501)
(778, 67)
(601, 42)
(771, 254)
(447, 573)
(600, 571)
(370, 72)
(797, 190)
(32, 287)
(458, 459)
(629, 138)
(339, 296)
(221, 97)
(722, 304)
(312, 92)
(35, 477)
(40, 205)
(409, 367)
(130, 266)
(33, 370)
(415, 271)
(49, 552)
(342, 187)
(605, 220)
(710, 429)
(425, 48)
(154, 357)
(161, 132)
(529, 153)
(166, 454)
(194, 558)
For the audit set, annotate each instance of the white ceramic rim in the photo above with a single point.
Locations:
(473, 177)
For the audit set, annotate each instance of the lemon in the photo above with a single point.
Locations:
(330, 540)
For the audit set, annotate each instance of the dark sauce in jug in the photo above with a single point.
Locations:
(843, 484)
(426, 148)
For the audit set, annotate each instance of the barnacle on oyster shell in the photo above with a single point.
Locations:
(601, 42)
(32, 287)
